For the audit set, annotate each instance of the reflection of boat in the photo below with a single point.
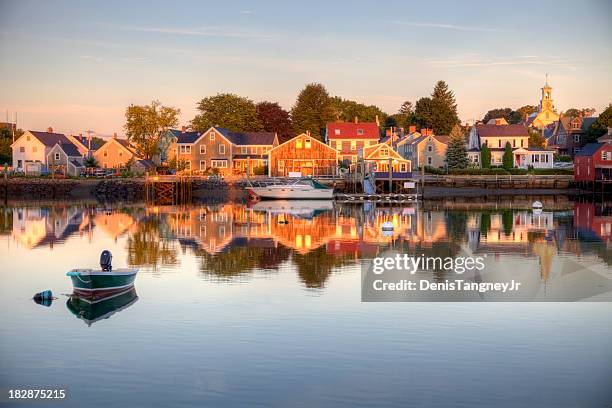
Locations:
(307, 209)
(92, 282)
(291, 188)
(90, 310)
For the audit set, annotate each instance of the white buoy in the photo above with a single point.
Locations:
(387, 226)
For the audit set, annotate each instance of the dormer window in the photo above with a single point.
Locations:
(307, 143)
(298, 144)
(336, 132)
(576, 125)
(212, 135)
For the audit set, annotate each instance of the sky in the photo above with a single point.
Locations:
(76, 65)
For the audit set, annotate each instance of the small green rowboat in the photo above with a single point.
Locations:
(98, 283)
(91, 310)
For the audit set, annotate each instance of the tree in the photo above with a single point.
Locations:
(6, 139)
(312, 110)
(91, 162)
(485, 156)
(601, 125)
(507, 158)
(575, 112)
(146, 124)
(346, 110)
(505, 113)
(438, 112)
(405, 117)
(536, 139)
(273, 118)
(226, 110)
(456, 153)
(521, 114)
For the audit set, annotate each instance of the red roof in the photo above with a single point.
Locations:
(350, 130)
(502, 130)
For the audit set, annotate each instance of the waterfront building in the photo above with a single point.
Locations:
(570, 135)
(31, 150)
(593, 163)
(66, 159)
(222, 150)
(348, 138)
(426, 149)
(120, 154)
(303, 155)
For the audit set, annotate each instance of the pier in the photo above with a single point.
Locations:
(168, 189)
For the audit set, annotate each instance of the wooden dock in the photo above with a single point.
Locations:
(378, 198)
(168, 190)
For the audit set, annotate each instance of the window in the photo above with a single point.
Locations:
(429, 161)
(281, 166)
(513, 142)
(219, 163)
(576, 150)
(244, 149)
(56, 156)
(336, 131)
(499, 143)
(606, 155)
(221, 149)
(28, 138)
(429, 148)
(576, 138)
(384, 152)
(522, 142)
(185, 149)
(202, 149)
(298, 143)
(187, 165)
(307, 143)
(211, 135)
(404, 168)
(360, 132)
(202, 164)
(34, 149)
(253, 150)
(576, 125)
(339, 144)
(106, 153)
(22, 149)
(353, 145)
(120, 153)
(536, 158)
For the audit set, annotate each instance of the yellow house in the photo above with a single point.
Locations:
(115, 154)
(424, 150)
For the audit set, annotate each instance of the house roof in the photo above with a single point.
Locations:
(185, 137)
(125, 143)
(501, 130)
(147, 164)
(587, 122)
(605, 138)
(349, 130)
(248, 138)
(70, 149)
(442, 138)
(589, 149)
(50, 139)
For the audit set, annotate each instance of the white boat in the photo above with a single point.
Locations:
(291, 189)
(306, 209)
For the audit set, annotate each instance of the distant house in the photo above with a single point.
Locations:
(222, 149)
(536, 157)
(304, 155)
(31, 150)
(593, 162)
(379, 157)
(424, 150)
(348, 137)
(66, 159)
(496, 137)
(571, 134)
(115, 154)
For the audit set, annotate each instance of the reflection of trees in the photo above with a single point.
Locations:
(240, 260)
(6, 220)
(315, 266)
(508, 222)
(456, 224)
(485, 223)
(147, 247)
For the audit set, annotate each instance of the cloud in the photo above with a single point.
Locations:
(489, 61)
(448, 26)
(209, 31)
(246, 11)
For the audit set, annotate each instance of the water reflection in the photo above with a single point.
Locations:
(93, 309)
(231, 240)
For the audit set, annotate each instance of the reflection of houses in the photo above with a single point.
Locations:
(593, 223)
(35, 227)
(115, 224)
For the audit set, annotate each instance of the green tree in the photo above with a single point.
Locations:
(505, 113)
(507, 159)
(536, 139)
(91, 162)
(456, 153)
(312, 110)
(6, 139)
(521, 114)
(601, 125)
(226, 110)
(485, 156)
(576, 112)
(145, 125)
(346, 110)
(507, 222)
(438, 112)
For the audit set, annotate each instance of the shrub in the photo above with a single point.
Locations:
(563, 158)
(434, 170)
(260, 170)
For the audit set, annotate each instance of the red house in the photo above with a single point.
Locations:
(593, 162)
(348, 138)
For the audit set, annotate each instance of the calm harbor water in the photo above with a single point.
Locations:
(260, 306)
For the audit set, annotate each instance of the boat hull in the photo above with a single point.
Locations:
(289, 193)
(91, 310)
(89, 282)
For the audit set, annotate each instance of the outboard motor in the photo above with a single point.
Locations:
(106, 260)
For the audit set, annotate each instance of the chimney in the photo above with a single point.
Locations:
(356, 119)
(411, 129)
(308, 133)
(115, 135)
(423, 131)
(377, 121)
(49, 129)
(183, 129)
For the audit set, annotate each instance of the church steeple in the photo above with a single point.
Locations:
(546, 103)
